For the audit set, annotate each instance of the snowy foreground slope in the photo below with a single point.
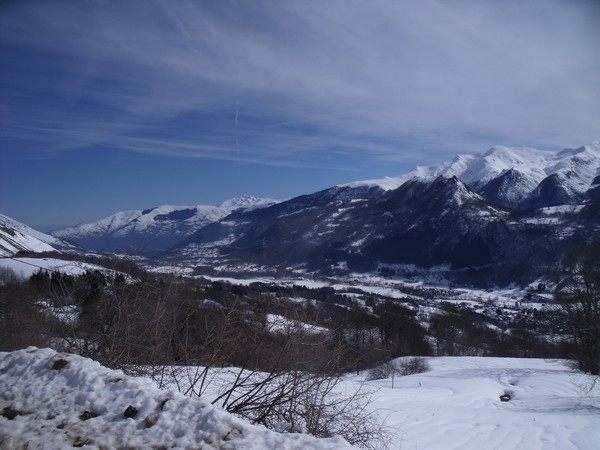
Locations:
(457, 405)
(83, 404)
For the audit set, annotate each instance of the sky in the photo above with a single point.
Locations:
(114, 105)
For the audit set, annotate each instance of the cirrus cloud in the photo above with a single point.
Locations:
(283, 83)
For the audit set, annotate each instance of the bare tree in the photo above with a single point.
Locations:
(21, 323)
(287, 377)
(285, 380)
(578, 293)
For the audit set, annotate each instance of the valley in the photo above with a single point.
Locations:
(299, 225)
(466, 259)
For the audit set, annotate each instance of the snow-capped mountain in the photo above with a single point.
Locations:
(493, 218)
(422, 222)
(515, 177)
(154, 229)
(16, 237)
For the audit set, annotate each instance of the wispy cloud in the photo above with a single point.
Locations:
(278, 82)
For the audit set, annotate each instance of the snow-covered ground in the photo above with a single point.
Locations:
(282, 324)
(25, 267)
(397, 288)
(58, 401)
(455, 405)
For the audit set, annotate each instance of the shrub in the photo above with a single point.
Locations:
(412, 365)
(401, 366)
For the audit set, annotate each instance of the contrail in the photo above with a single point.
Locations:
(235, 130)
(237, 112)
(237, 103)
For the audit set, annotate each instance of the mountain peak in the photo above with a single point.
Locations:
(155, 228)
(239, 201)
(246, 201)
(592, 148)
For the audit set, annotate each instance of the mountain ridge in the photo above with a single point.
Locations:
(152, 229)
(575, 168)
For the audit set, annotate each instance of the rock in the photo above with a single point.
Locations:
(150, 421)
(10, 413)
(60, 364)
(80, 442)
(87, 415)
(130, 412)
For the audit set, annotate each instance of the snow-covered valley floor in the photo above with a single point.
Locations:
(455, 405)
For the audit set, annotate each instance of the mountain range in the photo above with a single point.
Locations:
(516, 178)
(497, 217)
(152, 230)
(493, 218)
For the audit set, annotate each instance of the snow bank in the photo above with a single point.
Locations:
(54, 400)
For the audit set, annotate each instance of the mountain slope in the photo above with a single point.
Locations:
(420, 224)
(16, 237)
(510, 189)
(155, 229)
(298, 225)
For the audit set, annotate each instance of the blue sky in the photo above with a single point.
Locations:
(113, 105)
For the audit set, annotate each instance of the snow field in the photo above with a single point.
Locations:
(457, 405)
